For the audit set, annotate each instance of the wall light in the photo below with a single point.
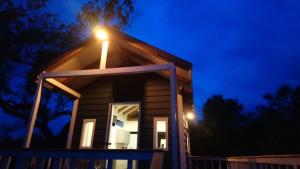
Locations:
(190, 115)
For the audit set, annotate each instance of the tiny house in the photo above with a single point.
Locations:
(128, 95)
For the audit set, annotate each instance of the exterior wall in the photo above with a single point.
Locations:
(94, 104)
(151, 90)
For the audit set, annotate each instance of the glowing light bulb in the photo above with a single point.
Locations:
(100, 33)
(190, 116)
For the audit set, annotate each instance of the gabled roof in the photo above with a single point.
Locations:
(124, 50)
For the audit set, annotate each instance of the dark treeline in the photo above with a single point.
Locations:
(226, 130)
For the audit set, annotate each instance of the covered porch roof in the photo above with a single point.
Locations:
(124, 51)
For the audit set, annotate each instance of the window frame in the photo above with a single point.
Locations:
(155, 119)
(82, 132)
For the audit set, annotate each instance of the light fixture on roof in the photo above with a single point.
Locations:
(190, 115)
(101, 34)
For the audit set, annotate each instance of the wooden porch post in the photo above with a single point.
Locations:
(72, 123)
(182, 142)
(174, 117)
(33, 114)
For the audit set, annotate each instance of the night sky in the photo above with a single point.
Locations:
(239, 48)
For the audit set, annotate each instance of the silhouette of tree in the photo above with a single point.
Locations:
(273, 129)
(216, 132)
(278, 122)
(30, 38)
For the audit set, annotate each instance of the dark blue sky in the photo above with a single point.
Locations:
(239, 48)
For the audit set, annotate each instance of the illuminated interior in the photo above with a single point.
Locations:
(123, 133)
(161, 133)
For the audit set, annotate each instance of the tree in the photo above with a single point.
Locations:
(217, 131)
(278, 122)
(273, 129)
(30, 38)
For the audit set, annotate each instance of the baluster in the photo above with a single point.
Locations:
(91, 164)
(73, 163)
(197, 163)
(109, 163)
(21, 163)
(5, 162)
(190, 163)
(56, 163)
(48, 163)
(40, 163)
(129, 164)
(204, 164)
(66, 163)
(212, 164)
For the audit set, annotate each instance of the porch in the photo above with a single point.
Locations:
(71, 159)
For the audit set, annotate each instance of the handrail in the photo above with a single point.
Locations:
(245, 162)
(63, 158)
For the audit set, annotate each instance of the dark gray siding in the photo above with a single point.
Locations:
(151, 90)
(94, 104)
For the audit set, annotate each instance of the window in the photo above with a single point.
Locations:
(160, 133)
(87, 134)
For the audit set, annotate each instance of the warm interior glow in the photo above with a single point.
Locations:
(87, 134)
(160, 131)
(100, 33)
(190, 116)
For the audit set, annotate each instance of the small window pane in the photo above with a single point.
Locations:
(161, 134)
(87, 134)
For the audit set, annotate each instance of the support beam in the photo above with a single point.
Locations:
(63, 87)
(106, 72)
(121, 108)
(104, 54)
(174, 118)
(72, 123)
(133, 109)
(34, 110)
(125, 109)
(181, 128)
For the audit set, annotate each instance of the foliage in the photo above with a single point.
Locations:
(226, 130)
(30, 38)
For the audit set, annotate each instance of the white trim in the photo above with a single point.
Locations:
(93, 133)
(109, 120)
(104, 54)
(108, 123)
(155, 119)
(181, 128)
(34, 111)
(174, 118)
(108, 71)
(63, 87)
(72, 123)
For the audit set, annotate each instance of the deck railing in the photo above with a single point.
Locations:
(245, 162)
(71, 159)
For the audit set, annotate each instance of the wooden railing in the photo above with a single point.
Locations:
(245, 162)
(71, 159)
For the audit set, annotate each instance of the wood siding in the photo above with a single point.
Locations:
(94, 104)
(150, 90)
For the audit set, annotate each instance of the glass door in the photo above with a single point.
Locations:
(124, 129)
